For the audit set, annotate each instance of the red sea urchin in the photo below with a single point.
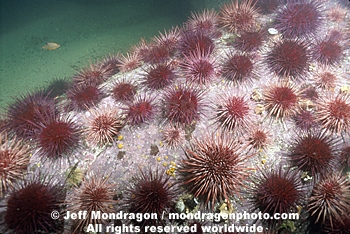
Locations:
(82, 97)
(150, 193)
(238, 15)
(249, 41)
(183, 105)
(238, 68)
(232, 113)
(94, 74)
(95, 194)
(124, 91)
(205, 22)
(159, 76)
(276, 191)
(56, 136)
(334, 114)
(140, 111)
(213, 169)
(14, 159)
(289, 58)
(102, 126)
(329, 51)
(30, 205)
(199, 67)
(314, 152)
(329, 200)
(281, 100)
(299, 18)
(191, 42)
(173, 136)
(26, 111)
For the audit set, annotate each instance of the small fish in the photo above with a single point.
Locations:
(50, 46)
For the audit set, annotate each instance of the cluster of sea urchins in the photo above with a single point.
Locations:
(257, 83)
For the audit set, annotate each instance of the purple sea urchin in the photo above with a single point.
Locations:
(26, 111)
(159, 76)
(238, 68)
(334, 114)
(124, 91)
(233, 114)
(199, 67)
(94, 74)
(140, 111)
(56, 136)
(329, 51)
(82, 97)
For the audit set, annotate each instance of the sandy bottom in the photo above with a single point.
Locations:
(85, 29)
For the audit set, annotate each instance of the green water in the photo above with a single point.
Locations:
(86, 30)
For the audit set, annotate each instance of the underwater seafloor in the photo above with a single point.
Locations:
(242, 109)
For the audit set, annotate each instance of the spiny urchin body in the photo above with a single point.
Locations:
(333, 114)
(237, 16)
(232, 113)
(314, 152)
(143, 109)
(124, 91)
(329, 50)
(82, 97)
(329, 201)
(282, 100)
(159, 76)
(94, 74)
(14, 159)
(199, 67)
(183, 105)
(95, 194)
(238, 68)
(289, 58)
(151, 192)
(205, 22)
(299, 18)
(102, 126)
(56, 137)
(30, 204)
(26, 111)
(267, 195)
(213, 169)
